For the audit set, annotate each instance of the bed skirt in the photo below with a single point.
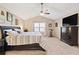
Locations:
(34, 46)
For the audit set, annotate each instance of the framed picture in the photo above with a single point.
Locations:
(50, 25)
(56, 24)
(2, 13)
(9, 17)
(2, 16)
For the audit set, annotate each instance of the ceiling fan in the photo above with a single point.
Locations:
(42, 12)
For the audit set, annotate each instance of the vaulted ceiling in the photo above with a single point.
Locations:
(29, 10)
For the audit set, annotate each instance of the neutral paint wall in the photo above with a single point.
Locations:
(57, 29)
(3, 20)
(20, 22)
(28, 24)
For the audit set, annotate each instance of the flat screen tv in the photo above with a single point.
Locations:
(70, 20)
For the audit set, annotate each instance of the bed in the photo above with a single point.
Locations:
(23, 38)
(19, 40)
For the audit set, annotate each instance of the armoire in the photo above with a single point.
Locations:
(70, 30)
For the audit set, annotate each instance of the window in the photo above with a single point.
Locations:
(39, 27)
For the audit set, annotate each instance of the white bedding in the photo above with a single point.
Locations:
(31, 33)
(23, 38)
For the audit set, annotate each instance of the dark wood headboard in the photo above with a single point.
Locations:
(10, 27)
(2, 28)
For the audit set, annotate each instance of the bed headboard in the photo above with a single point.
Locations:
(2, 28)
(9, 27)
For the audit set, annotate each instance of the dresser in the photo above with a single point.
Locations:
(69, 35)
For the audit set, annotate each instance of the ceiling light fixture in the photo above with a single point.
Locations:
(43, 12)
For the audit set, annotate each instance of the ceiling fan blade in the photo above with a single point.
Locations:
(46, 13)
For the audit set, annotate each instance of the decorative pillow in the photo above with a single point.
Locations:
(12, 33)
(9, 33)
(18, 30)
(8, 30)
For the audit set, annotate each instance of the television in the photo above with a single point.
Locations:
(70, 20)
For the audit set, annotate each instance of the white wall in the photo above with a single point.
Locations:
(3, 19)
(28, 24)
(57, 29)
(20, 22)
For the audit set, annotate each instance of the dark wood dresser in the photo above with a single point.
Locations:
(69, 35)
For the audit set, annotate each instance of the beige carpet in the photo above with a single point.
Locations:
(57, 47)
(26, 52)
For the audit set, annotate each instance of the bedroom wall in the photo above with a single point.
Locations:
(57, 31)
(3, 19)
(28, 24)
(19, 22)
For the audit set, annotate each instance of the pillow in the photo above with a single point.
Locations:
(8, 30)
(9, 33)
(18, 30)
(12, 33)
